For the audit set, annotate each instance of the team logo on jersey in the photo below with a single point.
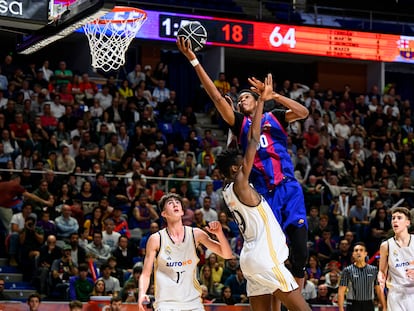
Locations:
(266, 126)
(167, 250)
(395, 253)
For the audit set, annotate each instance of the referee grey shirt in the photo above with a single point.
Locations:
(360, 282)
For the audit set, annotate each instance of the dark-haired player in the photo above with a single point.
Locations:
(273, 171)
(396, 266)
(172, 253)
(266, 274)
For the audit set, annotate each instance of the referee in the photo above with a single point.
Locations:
(360, 279)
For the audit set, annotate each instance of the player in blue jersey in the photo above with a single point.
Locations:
(272, 174)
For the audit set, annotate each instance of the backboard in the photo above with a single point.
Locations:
(63, 17)
(61, 11)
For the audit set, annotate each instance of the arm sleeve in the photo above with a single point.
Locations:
(280, 115)
(238, 121)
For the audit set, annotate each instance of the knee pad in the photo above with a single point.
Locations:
(298, 237)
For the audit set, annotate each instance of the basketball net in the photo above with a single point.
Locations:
(109, 39)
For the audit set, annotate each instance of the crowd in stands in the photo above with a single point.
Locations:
(102, 155)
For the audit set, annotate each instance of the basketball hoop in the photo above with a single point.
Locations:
(110, 36)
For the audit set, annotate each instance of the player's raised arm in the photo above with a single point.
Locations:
(241, 183)
(225, 110)
(296, 111)
(220, 246)
(253, 135)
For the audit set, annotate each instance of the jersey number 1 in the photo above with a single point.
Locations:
(179, 276)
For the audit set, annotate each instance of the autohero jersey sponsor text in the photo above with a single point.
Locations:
(402, 264)
(179, 263)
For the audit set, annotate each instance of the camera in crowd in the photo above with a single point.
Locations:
(31, 221)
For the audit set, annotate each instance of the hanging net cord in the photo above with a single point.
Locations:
(109, 41)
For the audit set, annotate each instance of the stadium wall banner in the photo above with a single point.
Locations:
(36, 10)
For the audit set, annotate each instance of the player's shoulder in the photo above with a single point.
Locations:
(154, 240)
(198, 235)
(197, 231)
(156, 236)
(385, 243)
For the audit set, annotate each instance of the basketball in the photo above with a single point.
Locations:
(196, 33)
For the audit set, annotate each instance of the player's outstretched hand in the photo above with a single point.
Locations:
(143, 299)
(410, 273)
(257, 86)
(268, 87)
(214, 227)
(265, 88)
(184, 47)
(381, 279)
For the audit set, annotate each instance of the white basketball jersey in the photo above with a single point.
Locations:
(175, 273)
(264, 247)
(399, 260)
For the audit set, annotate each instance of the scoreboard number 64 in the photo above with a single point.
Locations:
(278, 39)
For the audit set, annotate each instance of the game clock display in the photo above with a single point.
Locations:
(219, 31)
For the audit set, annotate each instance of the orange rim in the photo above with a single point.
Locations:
(125, 9)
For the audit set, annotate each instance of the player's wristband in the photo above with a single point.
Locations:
(194, 62)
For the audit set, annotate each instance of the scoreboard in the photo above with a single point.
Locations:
(281, 38)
